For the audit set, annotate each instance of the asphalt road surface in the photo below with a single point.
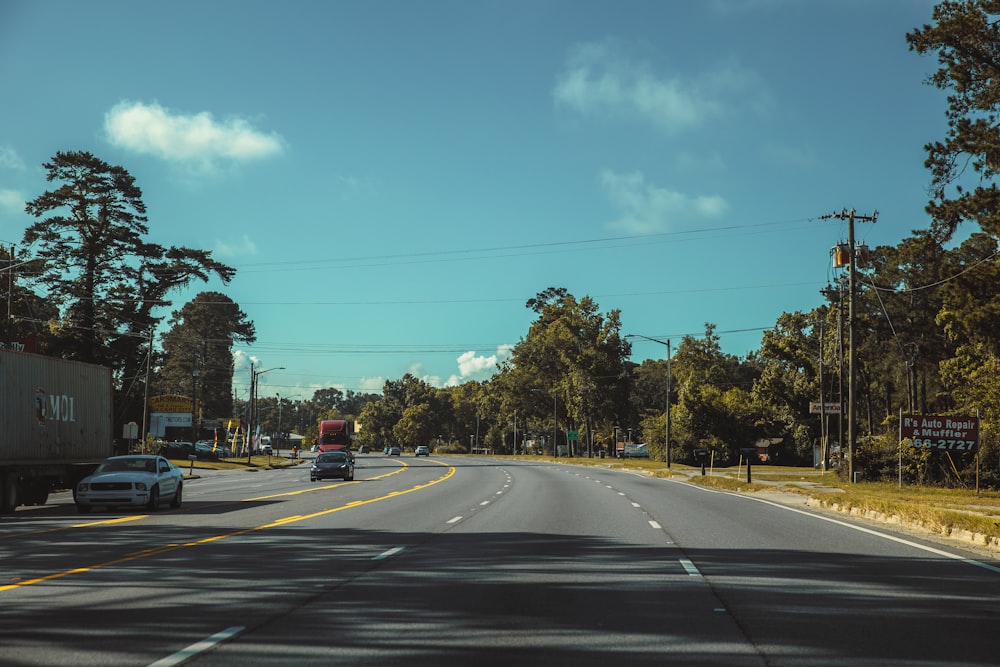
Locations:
(480, 561)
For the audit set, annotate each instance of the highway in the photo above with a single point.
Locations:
(480, 561)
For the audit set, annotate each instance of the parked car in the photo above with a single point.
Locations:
(177, 450)
(138, 480)
(332, 465)
(422, 450)
(393, 451)
(211, 447)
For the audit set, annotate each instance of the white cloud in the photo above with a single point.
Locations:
(12, 200)
(602, 80)
(235, 248)
(647, 209)
(472, 365)
(9, 159)
(197, 138)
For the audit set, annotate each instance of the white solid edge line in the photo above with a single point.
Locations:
(861, 529)
(198, 647)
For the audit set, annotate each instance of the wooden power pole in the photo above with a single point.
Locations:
(851, 217)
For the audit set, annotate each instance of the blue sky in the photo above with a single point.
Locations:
(394, 179)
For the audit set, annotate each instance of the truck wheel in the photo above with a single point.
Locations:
(154, 499)
(8, 493)
(176, 502)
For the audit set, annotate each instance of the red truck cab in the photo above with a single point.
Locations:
(334, 435)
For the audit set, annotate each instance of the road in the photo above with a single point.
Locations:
(480, 561)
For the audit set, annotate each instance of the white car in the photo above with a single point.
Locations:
(134, 481)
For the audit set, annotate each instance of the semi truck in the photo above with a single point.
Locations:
(55, 425)
(334, 434)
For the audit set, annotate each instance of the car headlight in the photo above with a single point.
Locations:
(83, 487)
(140, 486)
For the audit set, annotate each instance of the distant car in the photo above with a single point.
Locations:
(138, 480)
(332, 465)
(422, 450)
(268, 450)
(393, 451)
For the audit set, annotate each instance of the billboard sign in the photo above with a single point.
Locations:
(953, 433)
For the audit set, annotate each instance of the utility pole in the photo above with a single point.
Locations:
(145, 398)
(851, 217)
(249, 425)
(10, 290)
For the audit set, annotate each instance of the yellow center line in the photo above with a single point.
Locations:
(165, 548)
(327, 486)
(137, 517)
(89, 524)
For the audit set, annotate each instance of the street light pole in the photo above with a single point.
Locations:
(280, 439)
(253, 404)
(194, 408)
(666, 434)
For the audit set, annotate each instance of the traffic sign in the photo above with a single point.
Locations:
(572, 435)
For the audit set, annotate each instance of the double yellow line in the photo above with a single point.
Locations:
(155, 551)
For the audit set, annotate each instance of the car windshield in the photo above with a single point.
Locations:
(121, 465)
(332, 457)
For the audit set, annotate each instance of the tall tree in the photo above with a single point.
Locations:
(90, 258)
(573, 362)
(399, 398)
(966, 38)
(713, 400)
(201, 337)
(789, 380)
